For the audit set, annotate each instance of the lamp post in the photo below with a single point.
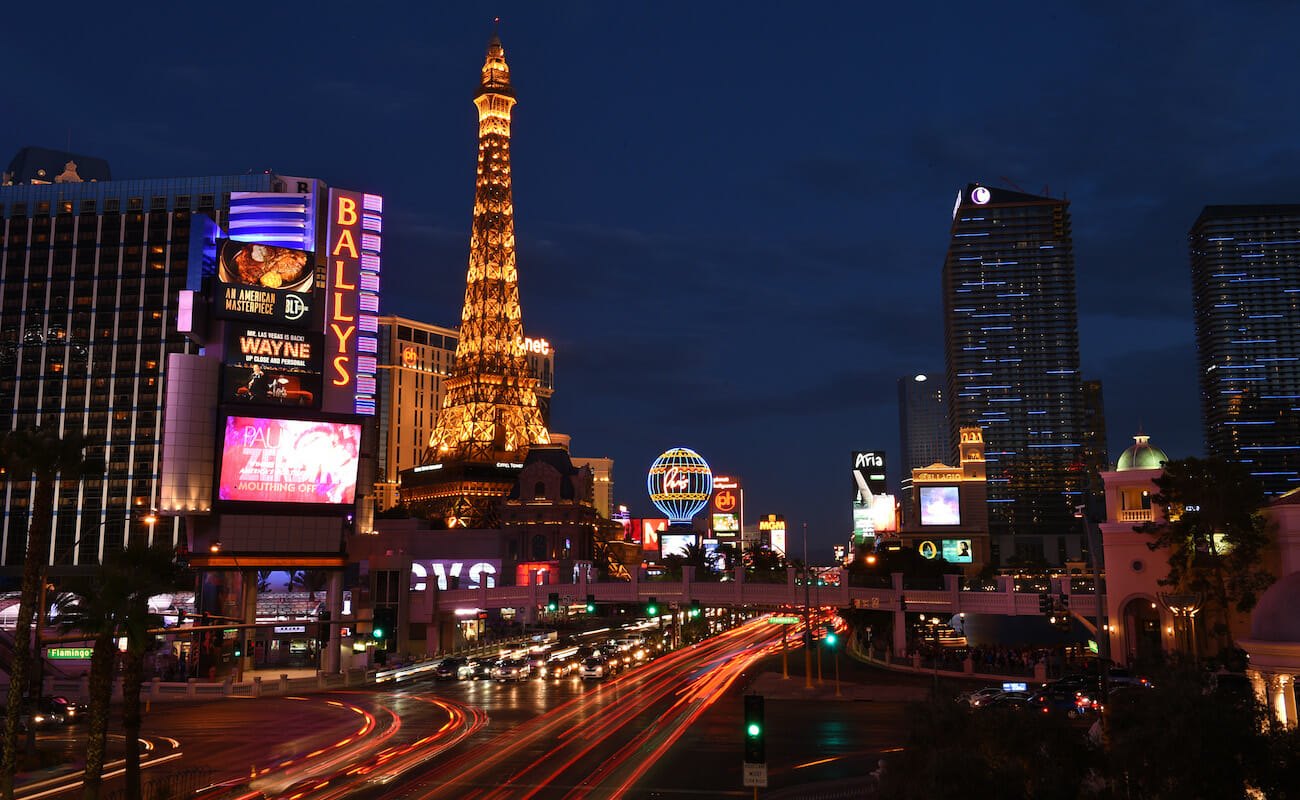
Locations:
(1185, 606)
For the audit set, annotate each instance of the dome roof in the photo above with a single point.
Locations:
(1275, 619)
(1142, 455)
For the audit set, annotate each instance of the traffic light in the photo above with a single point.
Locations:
(652, 607)
(831, 637)
(1045, 604)
(385, 627)
(755, 751)
(323, 629)
(553, 602)
(1063, 612)
(591, 604)
(695, 608)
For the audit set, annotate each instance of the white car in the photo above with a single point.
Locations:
(511, 669)
(594, 667)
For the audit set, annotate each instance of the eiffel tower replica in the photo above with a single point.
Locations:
(489, 416)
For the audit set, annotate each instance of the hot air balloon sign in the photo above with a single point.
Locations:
(680, 483)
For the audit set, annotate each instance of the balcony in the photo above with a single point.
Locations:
(1136, 515)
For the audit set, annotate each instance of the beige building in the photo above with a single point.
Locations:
(415, 359)
(602, 470)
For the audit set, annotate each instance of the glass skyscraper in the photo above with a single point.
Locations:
(1012, 342)
(90, 277)
(923, 429)
(1246, 293)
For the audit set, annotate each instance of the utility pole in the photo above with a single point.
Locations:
(807, 624)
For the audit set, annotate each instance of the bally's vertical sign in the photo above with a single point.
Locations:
(352, 302)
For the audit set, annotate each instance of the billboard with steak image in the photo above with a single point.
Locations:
(264, 283)
(289, 461)
(271, 367)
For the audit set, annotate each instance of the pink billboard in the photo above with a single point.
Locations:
(289, 461)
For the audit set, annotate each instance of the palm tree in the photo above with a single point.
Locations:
(96, 607)
(43, 453)
(152, 570)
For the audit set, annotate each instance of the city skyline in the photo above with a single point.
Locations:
(731, 227)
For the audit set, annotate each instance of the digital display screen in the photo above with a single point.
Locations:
(264, 283)
(940, 505)
(675, 543)
(289, 461)
(957, 551)
(725, 523)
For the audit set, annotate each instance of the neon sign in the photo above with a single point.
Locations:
(680, 483)
(477, 574)
(540, 346)
(352, 302)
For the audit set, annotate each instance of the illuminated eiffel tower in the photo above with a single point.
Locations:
(489, 417)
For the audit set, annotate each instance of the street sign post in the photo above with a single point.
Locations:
(756, 775)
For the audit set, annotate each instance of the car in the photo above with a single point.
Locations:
(1015, 701)
(447, 669)
(511, 669)
(594, 668)
(1072, 705)
(62, 710)
(474, 669)
(973, 698)
(537, 660)
(560, 666)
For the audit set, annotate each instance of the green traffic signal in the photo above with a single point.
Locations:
(830, 638)
(753, 729)
(378, 633)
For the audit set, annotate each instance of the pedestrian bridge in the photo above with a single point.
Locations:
(1007, 596)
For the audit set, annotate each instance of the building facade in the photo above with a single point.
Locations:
(923, 432)
(1012, 364)
(415, 360)
(90, 278)
(1246, 294)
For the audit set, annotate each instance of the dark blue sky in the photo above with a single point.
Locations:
(731, 217)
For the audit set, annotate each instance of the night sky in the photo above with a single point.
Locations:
(731, 217)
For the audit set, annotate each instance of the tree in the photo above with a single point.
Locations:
(149, 570)
(44, 454)
(95, 607)
(1215, 535)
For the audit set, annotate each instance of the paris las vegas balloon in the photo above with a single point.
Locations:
(680, 483)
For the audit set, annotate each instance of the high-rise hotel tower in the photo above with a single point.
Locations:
(1246, 293)
(1012, 342)
(91, 270)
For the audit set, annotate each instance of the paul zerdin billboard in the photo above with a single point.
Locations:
(289, 461)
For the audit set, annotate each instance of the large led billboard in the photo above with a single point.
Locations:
(264, 283)
(289, 461)
(726, 524)
(271, 367)
(956, 551)
(940, 505)
(675, 544)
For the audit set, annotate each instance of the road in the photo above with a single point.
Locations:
(667, 728)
